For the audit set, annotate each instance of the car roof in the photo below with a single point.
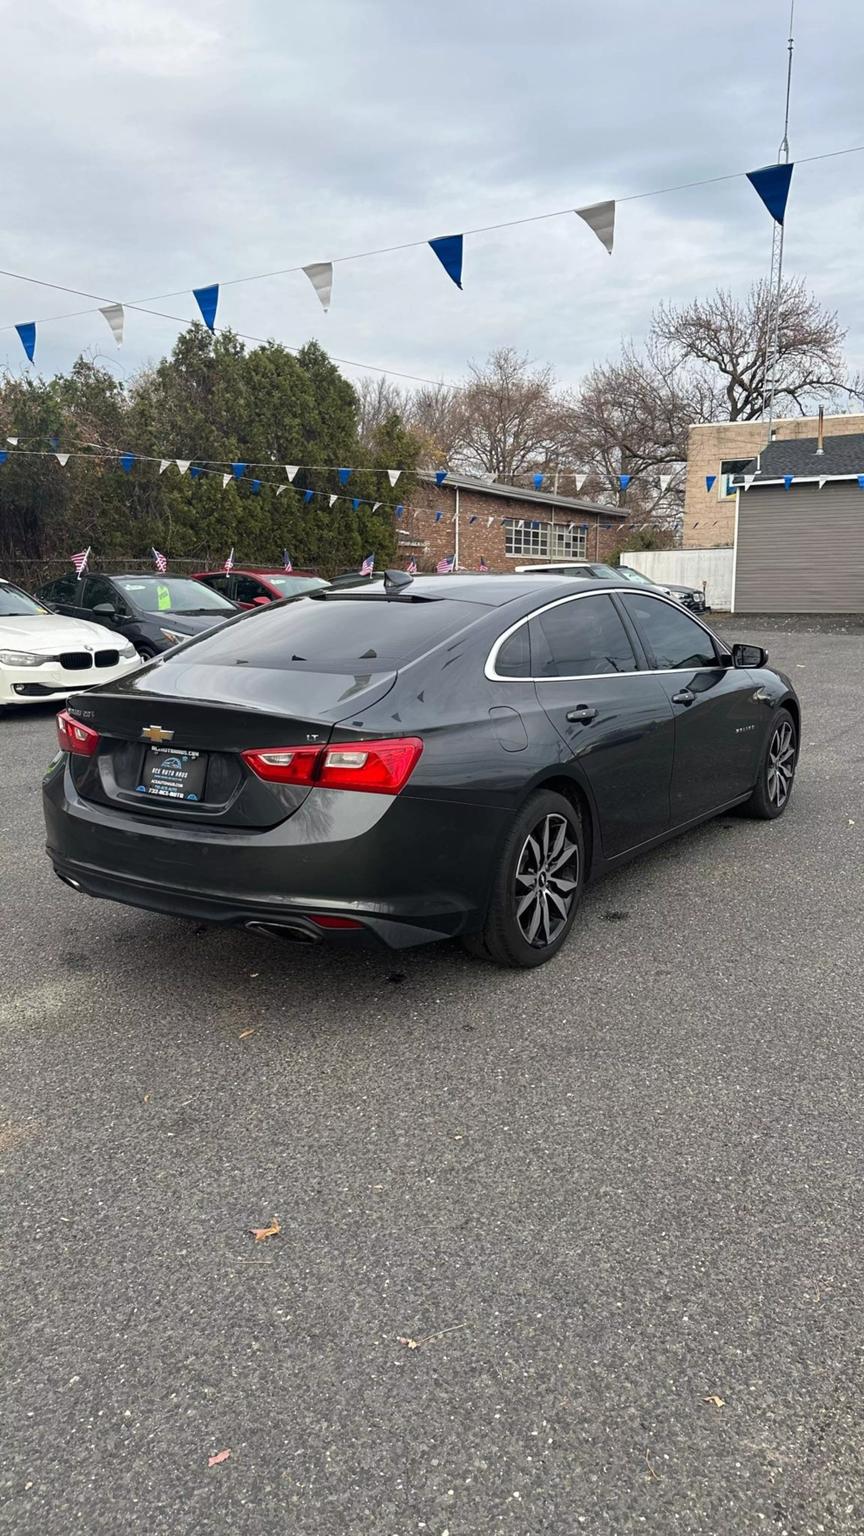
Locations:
(489, 591)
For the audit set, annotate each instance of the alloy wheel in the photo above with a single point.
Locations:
(547, 874)
(781, 764)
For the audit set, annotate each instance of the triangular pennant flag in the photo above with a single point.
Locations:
(787, 481)
(538, 481)
(472, 519)
(3, 455)
(860, 482)
(601, 218)
(748, 481)
(256, 486)
(163, 465)
(207, 300)
(822, 479)
(393, 475)
(332, 499)
(182, 465)
(238, 470)
(448, 249)
(307, 496)
(624, 481)
(195, 472)
(344, 476)
(280, 489)
(665, 482)
(438, 516)
(114, 315)
(489, 522)
(355, 503)
(320, 275)
(291, 470)
(62, 458)
(772, 184)
(579, 481)
(126, 461)
(54, 441)
(376, 505)
(226, 480)
(399, 509)
(440, 476)
(13, 441)
(27, 337)
(710, 481)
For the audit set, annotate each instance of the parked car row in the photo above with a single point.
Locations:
(690, 597)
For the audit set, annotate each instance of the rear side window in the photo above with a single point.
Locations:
(514, 657)
(354, 634)
(670, 637)
(582, 638)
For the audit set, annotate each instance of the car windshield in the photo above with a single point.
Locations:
(17, 605)
(289, 586)
(169, 594)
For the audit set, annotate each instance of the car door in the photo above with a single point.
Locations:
(65, 596)
(613, 714)
(719, 723)
(247, 590)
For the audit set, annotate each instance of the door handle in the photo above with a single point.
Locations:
(583, 714)
(686, 696)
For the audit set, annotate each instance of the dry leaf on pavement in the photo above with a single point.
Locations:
(409, 1343)
(245, 1033)
(718, 1402)
(213, 1461)
(261, 1234)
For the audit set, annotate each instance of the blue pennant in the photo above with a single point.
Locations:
(472, 519)
(399, 510)
(3, 456)
(440, 476)
(54, 441)
(582, 528)
(448, 249)
(624, 481)
(195, 472)
(307, 495)
(344, 476)
(438, 516)
(238, 470)
(27, 336)
(126, 461)
(207, 299)
(772, 184)
(787, 480)
(861, 482)
(356, 503)
(538, 481)
(710, 480)
(256, 486)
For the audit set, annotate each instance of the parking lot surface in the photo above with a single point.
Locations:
(616, 1203)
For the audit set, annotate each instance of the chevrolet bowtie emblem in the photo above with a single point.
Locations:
(156, 733)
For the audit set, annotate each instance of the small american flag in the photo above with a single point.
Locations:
(411, 567)
(483, 566)
(446, 566)
(80, 560)
(368, 566)
(229, 563)
(160, 561)
(286, 562)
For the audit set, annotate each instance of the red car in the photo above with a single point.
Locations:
(250, 587)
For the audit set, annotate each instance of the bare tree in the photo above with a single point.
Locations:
(505, 416)
(378, 399)
(432, 415)
(725, 338)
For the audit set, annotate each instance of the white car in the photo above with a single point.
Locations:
(44, 656)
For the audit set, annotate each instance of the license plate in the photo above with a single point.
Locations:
(173, 775)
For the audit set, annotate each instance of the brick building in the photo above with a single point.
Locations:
(505, 525)
(722, 448)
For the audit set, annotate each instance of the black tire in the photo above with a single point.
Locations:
(146, 652)
(537, 885)
(777, 771)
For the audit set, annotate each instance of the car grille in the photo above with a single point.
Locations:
(107, 658)
(75, 661)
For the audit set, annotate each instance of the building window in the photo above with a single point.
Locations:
(729, 468)
(569, 543)
(527, 539)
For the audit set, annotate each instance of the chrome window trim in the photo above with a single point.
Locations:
(580, 677)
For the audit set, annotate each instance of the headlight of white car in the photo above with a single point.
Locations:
(127, 650)
(21, 659)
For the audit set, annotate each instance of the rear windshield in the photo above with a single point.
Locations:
(329, 634)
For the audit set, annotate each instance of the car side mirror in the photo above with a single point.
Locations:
(105, 610)
(260, 602)
(749, 656)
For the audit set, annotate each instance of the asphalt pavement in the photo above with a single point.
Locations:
(615, 1204)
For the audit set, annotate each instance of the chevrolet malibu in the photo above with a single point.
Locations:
(44, 657)
(416, 760)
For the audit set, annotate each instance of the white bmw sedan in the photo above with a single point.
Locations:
(44, 656)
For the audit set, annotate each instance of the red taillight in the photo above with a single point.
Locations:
(326, 920)
(378, 767)
(74, 737)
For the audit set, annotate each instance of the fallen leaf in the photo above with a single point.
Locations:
(245, 1033)
(213, 1461)
(851, 823)
(261, 1234)
(253, 974)
(409, 1343)
(146, 1098)
(718, 1402)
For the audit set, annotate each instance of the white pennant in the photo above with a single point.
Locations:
(375, 506)
(579, 481)
(822, 478)
(163, 465)
(62, 458)
(332, 499)
(114, 315)
(226, 480)
(291, 470)
(320, 275)
(13, 441)
(280, 489)
(748, 481)
(665, 482)
(182, 465)
(489, 522)
(393, 475)
(601, 218)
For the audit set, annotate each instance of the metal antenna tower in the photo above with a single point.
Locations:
(775, 280)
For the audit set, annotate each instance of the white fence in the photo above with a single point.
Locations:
(690, 567)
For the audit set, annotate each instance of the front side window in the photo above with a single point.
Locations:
(246, 589)
(100, 590)
(672, 639)
(582, 638)
(527, 539)
(67, 589)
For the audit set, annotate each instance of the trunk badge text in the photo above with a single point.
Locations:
(156, 733)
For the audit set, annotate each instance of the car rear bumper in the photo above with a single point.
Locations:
(409, 870)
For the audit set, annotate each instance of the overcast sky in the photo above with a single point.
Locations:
(153, 145)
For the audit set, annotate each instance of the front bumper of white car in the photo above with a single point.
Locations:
(57, 676)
